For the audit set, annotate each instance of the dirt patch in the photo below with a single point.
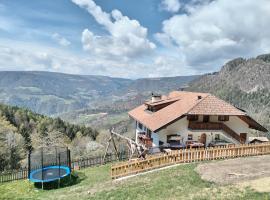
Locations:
(235, 170)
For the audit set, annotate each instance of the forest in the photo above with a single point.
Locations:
(22, 130)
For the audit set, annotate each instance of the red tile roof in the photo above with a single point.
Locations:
(212, 105)
(155, 120)
(186, 103)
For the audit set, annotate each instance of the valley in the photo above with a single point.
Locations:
(52, 93)
(103, 102)
(250, 92)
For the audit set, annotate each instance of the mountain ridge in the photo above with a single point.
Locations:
(244, 83)
(53, 92)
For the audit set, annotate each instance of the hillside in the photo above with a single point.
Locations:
(53, 93)
(242, 82)
(179, 182)
(21, 130)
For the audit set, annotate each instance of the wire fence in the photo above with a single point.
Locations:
(22, 173)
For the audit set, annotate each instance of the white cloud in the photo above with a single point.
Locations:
(170, 65)
(16, 55)
(199, 40)
(126, 39)
(60, 40)
(209, 34)
(171, 5)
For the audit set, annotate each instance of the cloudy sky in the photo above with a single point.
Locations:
(131, 39)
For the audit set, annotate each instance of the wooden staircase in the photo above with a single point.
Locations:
(214, 126)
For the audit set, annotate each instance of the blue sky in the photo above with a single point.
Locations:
(131, 39)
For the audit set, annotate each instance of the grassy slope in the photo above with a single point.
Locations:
(180, 182)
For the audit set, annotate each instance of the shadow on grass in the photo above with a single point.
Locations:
(72, 179)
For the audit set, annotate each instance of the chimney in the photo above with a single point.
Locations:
(155, 97)
(199, 97)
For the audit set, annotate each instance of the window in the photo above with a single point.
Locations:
(192, 117)
(206, 118)
(148, 133)
(223, 118)
(160, 143)
(190, 137)
(140, 125)
(173, 137)
(169, 137)
(217, 137)
(150, 108)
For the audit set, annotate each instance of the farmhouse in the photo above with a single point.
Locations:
(184, 119)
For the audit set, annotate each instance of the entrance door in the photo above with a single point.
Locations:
(203, 138)
(243, 138)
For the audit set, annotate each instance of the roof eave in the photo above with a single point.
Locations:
(140, 122)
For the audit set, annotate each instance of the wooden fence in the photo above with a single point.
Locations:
(22, 173)
(10, 175)
(187, 155)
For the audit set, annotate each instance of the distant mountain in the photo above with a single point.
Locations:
(164, 84)
(53, 93)
(243, 82)
(249, 75)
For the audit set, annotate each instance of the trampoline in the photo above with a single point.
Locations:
(48, 174)
(48, 164)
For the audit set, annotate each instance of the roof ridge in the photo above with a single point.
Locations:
(208, 94)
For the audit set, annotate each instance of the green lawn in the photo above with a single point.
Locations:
(180, 182)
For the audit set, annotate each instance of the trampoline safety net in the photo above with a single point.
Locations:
(48, 164)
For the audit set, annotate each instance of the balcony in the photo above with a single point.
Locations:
(144, 139)
(215, 126)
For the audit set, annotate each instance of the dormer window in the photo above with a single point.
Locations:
(151, 108)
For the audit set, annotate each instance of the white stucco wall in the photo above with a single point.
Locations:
(155, 138)
(238, 125)
(180, 127)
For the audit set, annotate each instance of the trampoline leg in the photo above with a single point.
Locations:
(59, 183)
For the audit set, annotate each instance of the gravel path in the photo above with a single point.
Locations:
(235, 170)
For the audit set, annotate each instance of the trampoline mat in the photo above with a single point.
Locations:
(49, 174)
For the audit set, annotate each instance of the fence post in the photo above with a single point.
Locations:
(29, 163)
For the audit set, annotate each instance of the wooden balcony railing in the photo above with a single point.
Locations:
(214, 126)
(144, 139)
